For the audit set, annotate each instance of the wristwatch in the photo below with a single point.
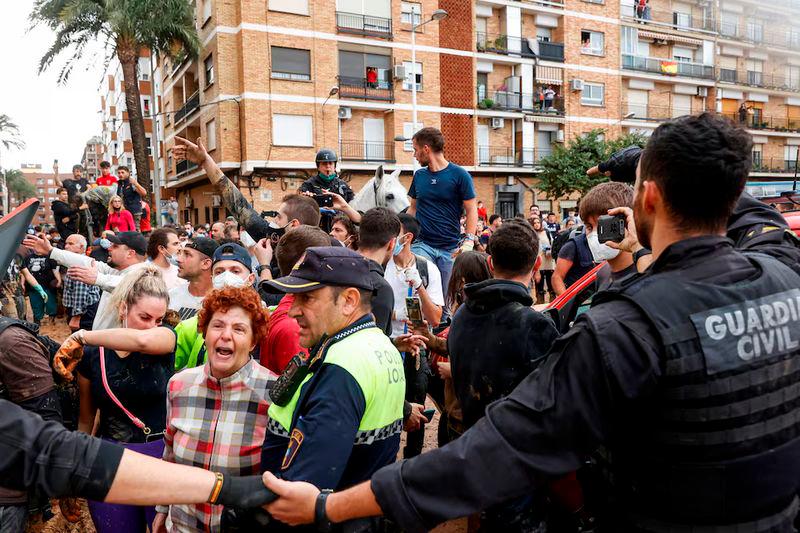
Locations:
(260, 269)
(470, 237)
(321, 520)
(638, 254)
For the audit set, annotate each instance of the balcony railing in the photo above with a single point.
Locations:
(191, 104)
(183, 167)
(757, 121)
(760, 34)
(363, 24)
(511, 101)
(496, 156)
(506, 45)
(668, 18)
(652, 112)
(667, 67)
(362, 89)
(367, 151)
(759, 79)
(774, 165)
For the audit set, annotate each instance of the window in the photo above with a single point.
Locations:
(682, 20)
(413, 72)
(206, 11)
(298, 7)
(408, 132)
(681, 105)
(755, 31)
(729, 24)
(410, 13)
(40, 181)
(211, 134)
(630, 40)
(754, 69)
(483, 85)
(592, 42)
(208, 67)
(592, 94)
(793, 76)
(149, 145)
(543, 35)
(292, 130)
(291, 64)
(790, 156)
(51, 190)
(685, 55)
(758, 156)
(146, 105)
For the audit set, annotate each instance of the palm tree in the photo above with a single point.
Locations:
(126, 27)
(9, 138)
(17, 184)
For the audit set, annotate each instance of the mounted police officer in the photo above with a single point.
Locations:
(687, 374)
(326, 180)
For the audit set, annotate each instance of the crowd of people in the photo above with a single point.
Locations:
(302, 345)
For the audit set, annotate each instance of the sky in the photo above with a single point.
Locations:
(55, 121)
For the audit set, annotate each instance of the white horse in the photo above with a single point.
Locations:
(382, 191)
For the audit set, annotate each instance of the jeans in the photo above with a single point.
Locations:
(443, 259)
(39, 306)
(13, 518)
(137, 220)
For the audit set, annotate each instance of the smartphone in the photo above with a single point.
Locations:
(324, 200)
(611, 228)
(428, 414)
(414, 310)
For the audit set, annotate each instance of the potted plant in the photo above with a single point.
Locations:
(486, 103)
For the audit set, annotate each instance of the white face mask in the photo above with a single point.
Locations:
(600, 252)
(227, 279)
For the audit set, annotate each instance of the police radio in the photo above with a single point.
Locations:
(290, 379)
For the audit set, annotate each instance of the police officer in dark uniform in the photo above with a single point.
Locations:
(687, 374)
(326, 180)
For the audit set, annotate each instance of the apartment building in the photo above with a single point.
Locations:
(505, 80)
(93, 154)
(117, 147)
(46, 187)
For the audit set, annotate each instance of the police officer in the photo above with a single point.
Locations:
(326, 180)
(339, 419)
(688, 374)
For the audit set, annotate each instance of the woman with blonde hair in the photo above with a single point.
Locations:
(119, 218)
(129, 389)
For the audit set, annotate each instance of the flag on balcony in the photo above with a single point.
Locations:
(670, 68)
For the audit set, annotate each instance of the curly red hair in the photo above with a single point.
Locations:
(224, 299)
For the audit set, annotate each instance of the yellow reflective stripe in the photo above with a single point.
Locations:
(311, 284)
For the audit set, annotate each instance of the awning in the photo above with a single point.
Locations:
(670, 37)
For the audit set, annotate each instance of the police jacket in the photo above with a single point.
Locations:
(495, 340)
(316, 184)
(697, 405)
(344, 421)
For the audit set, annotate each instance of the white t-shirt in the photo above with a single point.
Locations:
(182, 301)
(397, 280)
(171, 279)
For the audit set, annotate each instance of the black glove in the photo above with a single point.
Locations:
(622, 164)
(244, 492)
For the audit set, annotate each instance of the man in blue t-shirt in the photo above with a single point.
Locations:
(438, 192)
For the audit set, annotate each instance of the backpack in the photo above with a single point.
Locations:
(422, 268)
(562, 238)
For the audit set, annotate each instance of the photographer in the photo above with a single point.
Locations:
(326, 181)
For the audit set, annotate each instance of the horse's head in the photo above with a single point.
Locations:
(382, 190)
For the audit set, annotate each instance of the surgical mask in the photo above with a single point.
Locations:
(227, 279)
(105, 244)
(172, 260)
(600, 252)
(327, 178)
(398, 247)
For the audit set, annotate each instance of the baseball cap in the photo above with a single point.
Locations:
(232, 252)
(132, 239)
(324, 266)
(204, 245)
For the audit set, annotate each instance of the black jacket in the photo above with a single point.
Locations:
(62, 210)
(382, 298)
(496, 339)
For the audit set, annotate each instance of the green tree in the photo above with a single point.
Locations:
(564, 171)
(10, 138)
(126, 27)
(18, 185)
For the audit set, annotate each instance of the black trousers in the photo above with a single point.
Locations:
(416, 390)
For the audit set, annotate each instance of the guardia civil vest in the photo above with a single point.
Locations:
(722, 435)
(370, 357)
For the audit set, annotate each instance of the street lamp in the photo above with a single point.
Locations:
(437, 15)
(332, 92)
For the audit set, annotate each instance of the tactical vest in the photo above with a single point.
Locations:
(721, 440)
(48, 344)
(373, 361)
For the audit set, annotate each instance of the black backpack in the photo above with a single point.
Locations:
(562, 238)
(422, 268)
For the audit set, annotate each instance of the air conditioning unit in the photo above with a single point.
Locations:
(216, 200)
(187, 201)
(399, 72)
(576, 85)
(560, 136)
(702, 91)
(497, 123)
(345, 113)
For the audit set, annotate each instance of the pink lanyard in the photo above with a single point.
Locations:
(136, 422)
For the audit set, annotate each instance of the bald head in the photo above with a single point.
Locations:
(76, 243)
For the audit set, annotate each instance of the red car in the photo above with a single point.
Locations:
(574, 300)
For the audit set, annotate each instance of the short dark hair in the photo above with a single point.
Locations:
(513, 248)
(364, 294)
(430, 137)
(105, 164)
(58, 191)
(469, 267)
(378, 226)
(158, 238)
(605, 196)
(409, 225)
(349, 226)
(493, 218)
(302, 208)
(706, 154)
(293, 245)
(77, 167)
(123, 167)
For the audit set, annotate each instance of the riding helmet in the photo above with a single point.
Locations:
(325, 155)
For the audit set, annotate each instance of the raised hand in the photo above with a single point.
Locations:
(185, 149)
(37, 244)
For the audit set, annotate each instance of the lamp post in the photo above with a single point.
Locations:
(436, 16)
(333, 92)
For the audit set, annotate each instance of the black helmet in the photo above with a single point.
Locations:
(325, 155)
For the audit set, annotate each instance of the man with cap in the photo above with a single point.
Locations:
(195, 261)
(338, 419)
(126, 254)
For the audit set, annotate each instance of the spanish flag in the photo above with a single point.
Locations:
(670, 68)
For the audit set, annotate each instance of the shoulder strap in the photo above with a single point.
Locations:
(136, 421)
(422, 268)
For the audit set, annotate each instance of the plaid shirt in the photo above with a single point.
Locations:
(78, 296)
(216, 424)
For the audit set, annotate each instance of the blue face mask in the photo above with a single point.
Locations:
(398, 247)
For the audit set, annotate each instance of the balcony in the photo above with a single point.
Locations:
(367, 151)
(521, 46)
(496, 156)
(188, 108)
(652, 113)
(668, 19)
(367, 25)
(667, 67)
(773, 165)
(183, 167)
(759, 79)
(549, 51)
(361, 89)
(758, 121)
(512, 101)
(759, 34)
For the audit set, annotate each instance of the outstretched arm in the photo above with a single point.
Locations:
(155, 341)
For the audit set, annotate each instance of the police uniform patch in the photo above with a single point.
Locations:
(295, 441)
